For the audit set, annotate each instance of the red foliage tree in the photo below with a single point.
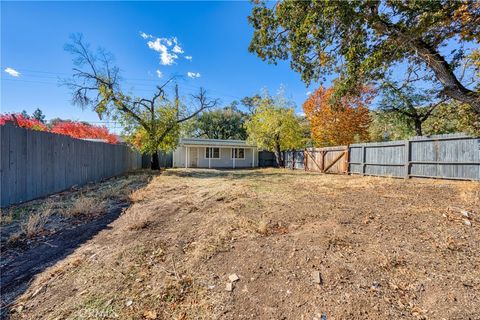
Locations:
(84, 131)
(22, 121)
(342, 124)
(70, 128)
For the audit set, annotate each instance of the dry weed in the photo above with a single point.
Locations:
(263, 227)
(7, 217)
(138, 195)
(470, 193)
(35, 223)
(137, 220)
(85, 206)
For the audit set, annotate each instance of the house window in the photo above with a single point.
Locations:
(212, 153)
(238, 153)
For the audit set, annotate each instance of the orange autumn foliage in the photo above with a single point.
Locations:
(340, 125)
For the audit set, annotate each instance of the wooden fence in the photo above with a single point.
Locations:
(451, 156)
(165, 160)
(327, 160)
(35, 164)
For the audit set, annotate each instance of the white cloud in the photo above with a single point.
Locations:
(145, 36)
(159, 73)
(169, 48)
(309, 93)
(161, 45)
(12, 72)
(193, 75)
(177, 49)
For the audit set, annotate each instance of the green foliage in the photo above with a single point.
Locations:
(450, 117)
(390, 126)
(38, 115)
(274, 126)
(163, 133)
(453, 117)
(226, 123)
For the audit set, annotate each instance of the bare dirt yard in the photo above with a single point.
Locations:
(273, 244)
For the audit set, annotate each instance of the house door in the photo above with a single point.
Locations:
(193, 157)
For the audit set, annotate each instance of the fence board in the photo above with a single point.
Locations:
(452, 156)
(35, 164)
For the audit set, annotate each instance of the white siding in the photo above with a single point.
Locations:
(225, 160)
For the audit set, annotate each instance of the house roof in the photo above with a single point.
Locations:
(214, 142)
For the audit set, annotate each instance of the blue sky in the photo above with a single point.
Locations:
(215, 34)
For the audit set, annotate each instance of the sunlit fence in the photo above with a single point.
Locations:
(450, 156)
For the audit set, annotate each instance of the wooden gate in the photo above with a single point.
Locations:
(327, 160)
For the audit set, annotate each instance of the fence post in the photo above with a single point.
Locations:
(347, 159)
(293, 159)
(322, 162)
(407, 159)
(363, 160)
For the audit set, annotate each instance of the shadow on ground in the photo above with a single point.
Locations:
(250, 173)
(19, 266)
(20, 271)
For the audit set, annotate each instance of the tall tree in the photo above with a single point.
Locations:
(387, 126)
(251, 103)
(38, 115)
(338, 126)
(96, 84)
(275, 127)
(226, 123)
(412, 103)
(448, 117)
(363, 40)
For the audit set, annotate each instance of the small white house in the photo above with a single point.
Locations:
(214, 153)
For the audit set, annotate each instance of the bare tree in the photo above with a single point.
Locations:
(96, 84)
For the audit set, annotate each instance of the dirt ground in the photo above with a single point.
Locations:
(303, 246)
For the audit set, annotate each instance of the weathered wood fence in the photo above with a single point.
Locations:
(329, 159)
(451, 156)
(36, 164)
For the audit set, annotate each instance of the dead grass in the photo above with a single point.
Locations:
(383, 247)
(43, 216)
(7, 216)
(86, 207)
(137, 220)
(262, 227)
(36, 222)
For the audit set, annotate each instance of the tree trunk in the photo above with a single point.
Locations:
(418, 127)
(444, 73)
(435, 61)
(154, 163)
(278, 156)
